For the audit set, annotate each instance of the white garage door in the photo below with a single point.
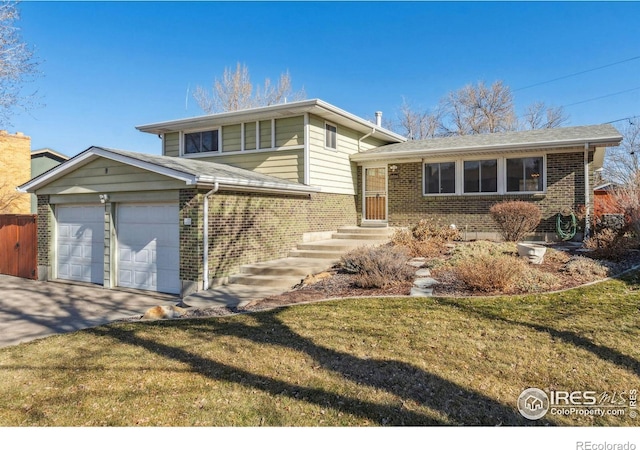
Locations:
(149, 247)
(80, 243)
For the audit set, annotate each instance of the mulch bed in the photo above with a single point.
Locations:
(340, 285)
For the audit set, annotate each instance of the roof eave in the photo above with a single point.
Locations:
(610, 141)
(284, 109)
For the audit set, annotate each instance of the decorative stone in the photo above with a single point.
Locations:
(164, 312)
(533, 252)
(423, 273)
(423, 283)
(417, 292)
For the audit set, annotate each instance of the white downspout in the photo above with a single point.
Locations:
(587, 196)
(373, 130)
(205, 238)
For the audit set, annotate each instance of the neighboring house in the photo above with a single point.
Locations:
(41, 161)
(15, 169)
(245, 186)
(604, 201)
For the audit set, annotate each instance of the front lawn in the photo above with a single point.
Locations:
(354, 362)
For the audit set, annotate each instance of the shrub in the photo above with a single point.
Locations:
(535, 280)
(426, 238)
(515, 218)
(585, 269)
(487, 273)
(469, 250)
(428, 229)
(608, 244)
(377, 267)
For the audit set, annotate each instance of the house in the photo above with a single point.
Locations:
(457, 179)
(43, 160)
(604, 201)
(15, 169)
(239, 187)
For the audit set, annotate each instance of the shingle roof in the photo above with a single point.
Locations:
(604, 135)
(192, 171)
(205, 169)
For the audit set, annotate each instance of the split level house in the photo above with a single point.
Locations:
(245, 186)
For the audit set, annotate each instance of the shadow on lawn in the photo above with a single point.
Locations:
(409, 383)
(601, 351)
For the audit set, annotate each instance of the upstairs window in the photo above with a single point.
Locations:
(525, 174)
(330, 136)
(440, 178)
(481, 176)
(201, 142)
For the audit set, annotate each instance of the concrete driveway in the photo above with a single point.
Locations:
(34, 309)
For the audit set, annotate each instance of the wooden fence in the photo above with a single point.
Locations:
(18, 245)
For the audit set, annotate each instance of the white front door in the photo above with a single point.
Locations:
(148, 238)
(80, 243)
(375, 194)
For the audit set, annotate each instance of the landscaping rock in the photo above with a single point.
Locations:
(164, 312)
(423, 283)
(418, 292)
(316, 278)
(417, 262)
(423, 273)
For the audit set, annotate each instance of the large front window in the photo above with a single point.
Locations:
(201, 142)
(525, 174)
(481, 176)
(440, 178)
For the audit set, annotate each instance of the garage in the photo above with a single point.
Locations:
(148, 247)
(80, 243)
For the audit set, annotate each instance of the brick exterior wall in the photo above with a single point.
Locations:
(44, 232)
(191, 236)
(407, 205)
(249, 227)
(15, 169)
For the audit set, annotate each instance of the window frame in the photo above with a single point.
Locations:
(501, 175)
(543, 163)
(462, 181)
(326, 135)
(424, 177)
(183, 142)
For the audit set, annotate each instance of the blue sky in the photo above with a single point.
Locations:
(109, 66)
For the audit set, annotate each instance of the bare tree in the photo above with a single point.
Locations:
(477, 109)
(622, 163)
(235, 92)
(539, 115)
(17, 64)
(416, 125)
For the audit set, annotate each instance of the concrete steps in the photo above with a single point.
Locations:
(309, 258)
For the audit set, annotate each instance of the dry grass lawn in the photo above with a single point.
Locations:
(355, 362)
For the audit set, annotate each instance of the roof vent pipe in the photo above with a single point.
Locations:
(378, 118)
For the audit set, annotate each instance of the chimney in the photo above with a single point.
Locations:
(379, 118)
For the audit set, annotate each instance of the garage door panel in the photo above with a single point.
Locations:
(148, 247)
(80, 243)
